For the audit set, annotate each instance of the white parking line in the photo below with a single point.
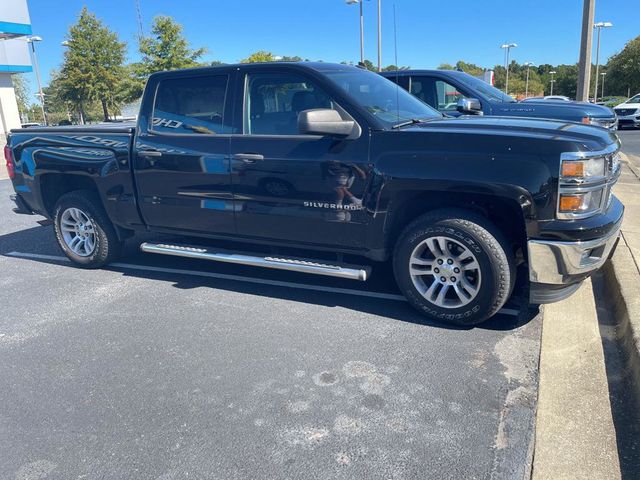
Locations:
(238, 278)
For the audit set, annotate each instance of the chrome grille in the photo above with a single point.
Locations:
(625, 111)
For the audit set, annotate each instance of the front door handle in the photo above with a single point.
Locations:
(248, 157)
(149, 153)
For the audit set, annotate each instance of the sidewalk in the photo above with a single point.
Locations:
(623, 272)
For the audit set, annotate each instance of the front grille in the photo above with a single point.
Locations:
(625, 111)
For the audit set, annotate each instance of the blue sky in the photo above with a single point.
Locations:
(430, 32)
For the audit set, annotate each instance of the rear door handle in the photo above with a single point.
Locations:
(149, 153)
(248, 157)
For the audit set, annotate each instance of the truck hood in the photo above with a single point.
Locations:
(548, 109)
(590, 137)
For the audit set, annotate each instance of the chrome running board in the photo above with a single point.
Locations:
(350, 272)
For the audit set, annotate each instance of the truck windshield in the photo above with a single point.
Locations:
(390, 104)
(487, 90)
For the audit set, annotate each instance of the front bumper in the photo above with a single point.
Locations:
(633, 120)
(556, 268)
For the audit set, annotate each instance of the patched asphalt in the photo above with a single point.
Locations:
(153, 372)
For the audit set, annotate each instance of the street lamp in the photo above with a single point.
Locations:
(552, 73)
(507, 47)
(602, 92)
(32, 40)
(379, 35)
(599, 26)
(353, 2)
(526, 85)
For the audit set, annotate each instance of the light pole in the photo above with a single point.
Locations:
(379, 35)
(599, 26)
(31, 41)
(602, 91)
(552, 73)
(507, 47)
(526, 85)
(353, 2)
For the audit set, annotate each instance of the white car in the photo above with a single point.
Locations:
(556, 98)
(629, 112)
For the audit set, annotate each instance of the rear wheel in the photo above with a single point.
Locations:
(454, 266)
(83, 230)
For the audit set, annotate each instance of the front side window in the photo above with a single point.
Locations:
(448, 96)
(191, 105)
(273, 102)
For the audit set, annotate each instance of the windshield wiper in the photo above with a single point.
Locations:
(415, 121)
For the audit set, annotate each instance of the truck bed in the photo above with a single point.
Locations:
(107, 127)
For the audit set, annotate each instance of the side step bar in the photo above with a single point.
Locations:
(350, 272)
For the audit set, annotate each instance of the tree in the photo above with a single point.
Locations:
(93, 64)
(166, 48)
(21, 87)
(623, 70)
(259, 56)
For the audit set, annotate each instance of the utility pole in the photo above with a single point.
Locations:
(552, 81)
(584, 64)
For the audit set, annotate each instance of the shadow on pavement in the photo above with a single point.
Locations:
(39, 240)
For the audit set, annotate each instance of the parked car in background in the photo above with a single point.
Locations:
(31, 124)
(549, 98)
(471, 96)
(332, 160)
(629, 112)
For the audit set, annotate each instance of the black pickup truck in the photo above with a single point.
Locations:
(332, 160)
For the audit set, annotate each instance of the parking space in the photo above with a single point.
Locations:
(171, 368)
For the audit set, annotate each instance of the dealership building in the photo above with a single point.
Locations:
(15, 30)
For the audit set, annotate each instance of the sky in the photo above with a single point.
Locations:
(429, 32)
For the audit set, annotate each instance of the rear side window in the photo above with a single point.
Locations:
(191, 105)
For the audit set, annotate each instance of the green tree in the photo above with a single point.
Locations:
(623, 70)
(21, 88)
(93, 64)
(167, 48)
(259, 56)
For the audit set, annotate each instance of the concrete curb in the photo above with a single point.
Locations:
(625, 159)
(622, 279)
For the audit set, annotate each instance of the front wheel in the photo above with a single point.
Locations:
(454, 266)
(83, 230)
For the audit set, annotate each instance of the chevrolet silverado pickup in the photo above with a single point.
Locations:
(457, 93)
(301, 166)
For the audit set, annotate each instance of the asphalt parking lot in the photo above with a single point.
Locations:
(168, 368)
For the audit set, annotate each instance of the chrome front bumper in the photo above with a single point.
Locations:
(563, 263)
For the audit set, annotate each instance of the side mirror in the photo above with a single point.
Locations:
(469, 106)
(324, 121)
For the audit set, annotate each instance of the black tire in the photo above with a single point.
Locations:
(481, 238)
(107, 244)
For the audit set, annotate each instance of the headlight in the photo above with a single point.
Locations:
(587, 170)
(580, 203)
(585, 182)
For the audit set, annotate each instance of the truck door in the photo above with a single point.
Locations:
(182, 153)
(304, 189)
